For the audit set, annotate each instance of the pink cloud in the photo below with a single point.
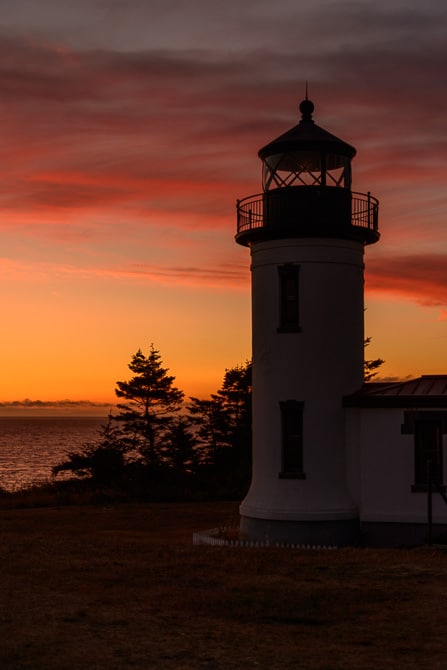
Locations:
(158, 114)
(224, 275)
(419, 277)
(168, 139)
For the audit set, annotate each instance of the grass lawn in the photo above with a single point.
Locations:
(110, 588)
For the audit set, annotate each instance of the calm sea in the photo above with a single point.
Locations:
(30, 446)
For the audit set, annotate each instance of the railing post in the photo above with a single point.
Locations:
(429, 505)
(369, 210)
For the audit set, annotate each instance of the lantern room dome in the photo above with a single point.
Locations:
(305, 136)
(306, 155)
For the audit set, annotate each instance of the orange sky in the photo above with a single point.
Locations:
(127, 134)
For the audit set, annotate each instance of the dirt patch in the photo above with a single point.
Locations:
(123, 587)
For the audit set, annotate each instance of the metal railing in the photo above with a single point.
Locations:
(250, 213)
(364, 212)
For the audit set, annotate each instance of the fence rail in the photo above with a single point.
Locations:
(212, 537)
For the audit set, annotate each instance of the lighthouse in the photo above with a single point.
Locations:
(306, 232)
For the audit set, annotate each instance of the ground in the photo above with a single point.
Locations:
(117, 587)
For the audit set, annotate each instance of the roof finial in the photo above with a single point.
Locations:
(307, 106)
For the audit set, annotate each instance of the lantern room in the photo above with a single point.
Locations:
(306, 155)
(306, 181)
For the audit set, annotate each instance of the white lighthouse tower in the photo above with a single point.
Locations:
(306, 233)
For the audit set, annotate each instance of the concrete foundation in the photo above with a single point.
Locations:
(400, 534)
(340, 533)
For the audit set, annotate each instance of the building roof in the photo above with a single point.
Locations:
(306, 136)
(424, 391)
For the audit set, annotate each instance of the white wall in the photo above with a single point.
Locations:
(381, 469)
(318, 366)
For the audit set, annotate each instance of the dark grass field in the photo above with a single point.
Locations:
(106, 588)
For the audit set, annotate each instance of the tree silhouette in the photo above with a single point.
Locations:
(223, 423)
(370, 367)
(210, 423)
(235, 398)
(180, 446)
(152, 400)
(103, 461)
(149, 449)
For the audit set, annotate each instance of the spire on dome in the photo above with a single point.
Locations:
(307, 106)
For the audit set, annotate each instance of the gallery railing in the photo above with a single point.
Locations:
(364, 212)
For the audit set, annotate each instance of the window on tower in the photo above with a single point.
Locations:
(292, 439)
(288, 298)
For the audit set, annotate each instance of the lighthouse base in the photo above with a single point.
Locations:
(334, 533)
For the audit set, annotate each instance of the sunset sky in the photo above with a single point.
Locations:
(128, 129)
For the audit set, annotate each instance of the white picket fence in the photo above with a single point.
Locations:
(213, 536)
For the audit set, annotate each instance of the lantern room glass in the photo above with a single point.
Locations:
(306, 168)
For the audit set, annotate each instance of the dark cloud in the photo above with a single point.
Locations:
(181, 100)
(154, 133)
(50, 404)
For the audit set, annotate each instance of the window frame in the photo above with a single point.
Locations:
(423, 449)
(416, 423)
(289, 298)
(292, 451)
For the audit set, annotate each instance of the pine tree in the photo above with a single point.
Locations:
(103, 460)
(223, 423)
(370, 367)
(152, 401)
(235, 398)
(210, 426)
(181, 446)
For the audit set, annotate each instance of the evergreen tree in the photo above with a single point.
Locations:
(151, 402)
(102, 461)
(235, 398)
(210, 427)
(181, 447)
(370, 367)
(223, 423)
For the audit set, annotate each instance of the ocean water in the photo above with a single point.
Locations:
(31, 446)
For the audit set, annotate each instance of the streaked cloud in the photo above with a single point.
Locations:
(99, 128)
(51, 404)
(225, 276)
(418, 277)
(128, 130)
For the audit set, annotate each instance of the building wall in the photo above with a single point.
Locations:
(380, 468)
(317, 366)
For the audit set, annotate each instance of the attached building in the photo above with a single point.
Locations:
(394, 445)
